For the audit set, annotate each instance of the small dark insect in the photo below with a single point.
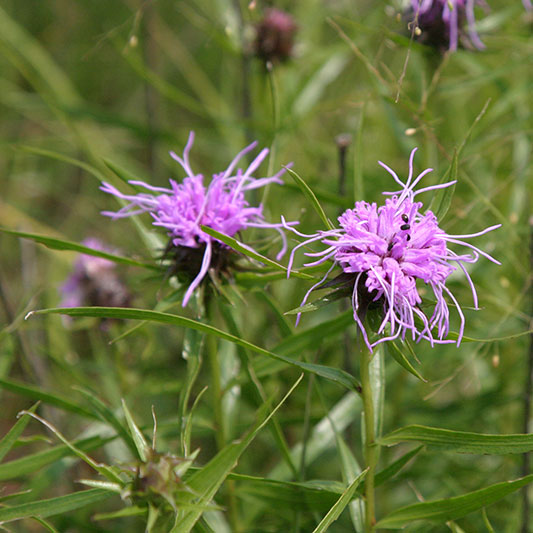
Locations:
(405, 227)
(405, 218)
(389, 248)
(408, 238)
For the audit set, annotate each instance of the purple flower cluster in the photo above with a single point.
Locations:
(385, 250)
(184, 207)
(94, 281)
(441, 22)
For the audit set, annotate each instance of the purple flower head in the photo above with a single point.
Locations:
(184, 207)
(385, 250)
(275, 35)
(441, 21)
(94, 281)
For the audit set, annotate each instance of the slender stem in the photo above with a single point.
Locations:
(528, 393)
(370, 449)
(216, 391)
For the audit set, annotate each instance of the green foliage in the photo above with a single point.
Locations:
(240, 441)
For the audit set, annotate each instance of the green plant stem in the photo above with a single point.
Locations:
(370, 449)
(216, 390)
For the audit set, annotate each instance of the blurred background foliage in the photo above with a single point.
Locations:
(124, 82)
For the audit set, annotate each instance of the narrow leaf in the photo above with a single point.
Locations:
(138, 437)
(107, 415)
(247, 251)
(310, 195)
(451, 508)
(208, 480)
(14, 433)
(342, 502)
(61, 244)
(442, 198)
(61, 157)
(401, 359)
(53, 506)
(31, 463)
(460, 441)
(391, 470)
(333, 374)
(35, 393)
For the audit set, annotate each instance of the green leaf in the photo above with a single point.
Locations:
(442, 198)
(245, 250)
(60, 244)
(454, 335)
(342, 502)
(208, 480)
(125, 175)
(310, 195)
(65, 158)
(460, 441)
(31, 463)
(315, 495)
(45, 524)
(480, 115)
(15, 432)
(333, 374)
(35, 393)
(401, 359)
(127, 511)
(107, 415)
(104, 470)
(391, 470)
(138, 438)
(54, 506)
(322, 437)
(451, 508)
(324, 301)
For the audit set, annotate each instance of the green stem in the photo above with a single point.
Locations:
(371, 451)
(216, 390)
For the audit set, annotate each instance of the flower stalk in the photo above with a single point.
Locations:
(370, 446)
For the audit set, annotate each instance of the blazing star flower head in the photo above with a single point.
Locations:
(94, 281)
(275, 35)
(184, 207)
(441, 21)
(385, 250)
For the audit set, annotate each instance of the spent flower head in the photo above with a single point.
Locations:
(275, 35)
(384, 251)
(184, 207)
(440, 23)
(94, 281)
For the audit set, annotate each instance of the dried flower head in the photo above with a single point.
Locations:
(275, 35)
(184, 207)
(384, 251)
(440, 23)
(94, 281)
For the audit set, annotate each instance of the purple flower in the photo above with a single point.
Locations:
(441, 22)
(275, 35)
(184, 207)
(528, 5)
(383, 251)
(94, 281)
